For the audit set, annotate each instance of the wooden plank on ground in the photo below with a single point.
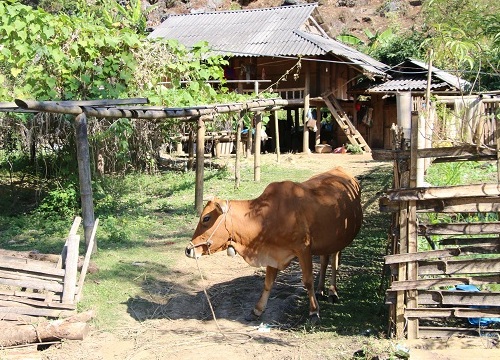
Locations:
(34, 266)
(37, 284)
(46, 296)
(7, 301)
(33, 311)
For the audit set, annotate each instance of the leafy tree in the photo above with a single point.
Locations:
(465, 34)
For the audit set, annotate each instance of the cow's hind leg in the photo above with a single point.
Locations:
(333, 297)
(255, 314)
(305, 261)
(320, 291)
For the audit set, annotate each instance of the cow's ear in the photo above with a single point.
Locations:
(221, 206)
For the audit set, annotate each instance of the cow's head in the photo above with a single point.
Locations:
(211, 234)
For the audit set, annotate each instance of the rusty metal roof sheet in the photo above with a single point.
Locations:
(279, 31)
(411, 75)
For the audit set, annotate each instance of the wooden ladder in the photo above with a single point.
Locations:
(345, 124)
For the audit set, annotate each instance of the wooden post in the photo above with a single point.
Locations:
(277, 135)
(412, 300)
(256, 156)
(200, 165)
(84, 176)
(318, 125)
(239, 148)
(497, 135)
(305, 143)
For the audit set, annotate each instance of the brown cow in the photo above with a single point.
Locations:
(320, 216)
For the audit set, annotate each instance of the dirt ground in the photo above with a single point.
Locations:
(185, 328)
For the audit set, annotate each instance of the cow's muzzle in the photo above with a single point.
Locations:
(191, 249)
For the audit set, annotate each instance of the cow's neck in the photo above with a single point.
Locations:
(241, 225)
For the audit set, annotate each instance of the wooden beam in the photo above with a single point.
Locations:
(414, 313)
(459, 267)
(447, 205)
(432, 254)
(426, 284)
(437, 153)
(443, 192)
(482, 228)
(148, 112)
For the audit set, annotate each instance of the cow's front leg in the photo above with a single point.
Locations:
(305, 262)
(255, 314)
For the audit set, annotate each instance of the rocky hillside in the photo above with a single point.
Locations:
(339, 16)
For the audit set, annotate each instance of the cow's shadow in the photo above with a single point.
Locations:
(231, 300)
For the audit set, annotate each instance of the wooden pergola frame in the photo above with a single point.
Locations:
(122, 108)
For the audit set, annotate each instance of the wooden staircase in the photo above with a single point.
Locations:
(345, 124)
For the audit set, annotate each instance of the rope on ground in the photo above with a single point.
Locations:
(224, 335)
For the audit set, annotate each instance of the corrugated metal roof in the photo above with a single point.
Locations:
(411, 75)
(407, 85)
(260, 32)
(452, 80)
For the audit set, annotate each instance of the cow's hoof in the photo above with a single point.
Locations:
(251, 316)
(320, 296)
(333, 299)
(314, 319)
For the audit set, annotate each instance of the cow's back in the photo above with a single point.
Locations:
(325, 211)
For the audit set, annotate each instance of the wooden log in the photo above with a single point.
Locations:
(70, 329)
(145, 112)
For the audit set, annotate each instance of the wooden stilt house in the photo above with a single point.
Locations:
(285, 49)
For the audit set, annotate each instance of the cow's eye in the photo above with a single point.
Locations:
(206, 218)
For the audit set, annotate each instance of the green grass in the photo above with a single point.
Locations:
(145, 219)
